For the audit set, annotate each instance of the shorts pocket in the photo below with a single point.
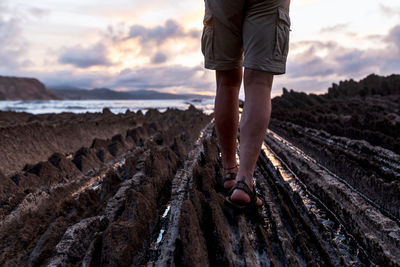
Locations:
(207, 36)
(282, 35)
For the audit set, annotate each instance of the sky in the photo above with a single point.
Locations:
(155, 44)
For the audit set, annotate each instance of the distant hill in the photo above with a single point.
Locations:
(16, 88)
(107, 94)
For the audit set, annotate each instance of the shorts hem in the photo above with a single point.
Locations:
(276, 70)
(222, 65)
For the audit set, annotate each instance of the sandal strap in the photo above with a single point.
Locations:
(229, 176)
(227, 169)
(241, 185)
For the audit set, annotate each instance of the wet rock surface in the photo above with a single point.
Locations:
(152, 196)
(371, 170)
(310, 217)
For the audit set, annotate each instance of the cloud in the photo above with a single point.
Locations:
(313, 69)
(85, 79)
(78, 56)
(389, 11)
(39, 12)
(314, 65)
(179, 78)
(135, 44)
(371, 37)
(308, 63)
(159, 41)
(318, 45)
(159, 34)
(175, 78)
(394, 36)
(345, 61)
(334, 28)
(159, 58)
(13, 46)
(157, 44)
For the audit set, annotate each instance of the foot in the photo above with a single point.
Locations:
(240, 197)
(228, 184)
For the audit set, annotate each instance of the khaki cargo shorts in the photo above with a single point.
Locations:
(249, 33)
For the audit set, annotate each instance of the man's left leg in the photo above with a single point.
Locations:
(254, 122)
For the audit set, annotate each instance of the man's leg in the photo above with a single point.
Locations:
(226, 112)
(253, 124)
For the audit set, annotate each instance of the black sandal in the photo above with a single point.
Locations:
(241, 185)
(229, 177)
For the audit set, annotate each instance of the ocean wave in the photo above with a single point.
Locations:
(13, 108)
(55, 106)
(76, 107)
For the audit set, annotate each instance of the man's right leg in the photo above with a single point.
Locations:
(253, 124)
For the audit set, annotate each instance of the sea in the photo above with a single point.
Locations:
(116, 106)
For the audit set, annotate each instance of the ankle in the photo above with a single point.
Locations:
(247, 179)
(231, 168)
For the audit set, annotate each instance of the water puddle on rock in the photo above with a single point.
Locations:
(163, 222)
(342, 180)
(348, 248)
(289, 145)
(96, 182)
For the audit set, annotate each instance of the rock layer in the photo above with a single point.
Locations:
(152, 196)
(366, 110)
(87, 196)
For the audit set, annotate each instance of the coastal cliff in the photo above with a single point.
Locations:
(16, 88)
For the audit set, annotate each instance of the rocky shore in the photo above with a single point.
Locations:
(115, 184)
(145, 190)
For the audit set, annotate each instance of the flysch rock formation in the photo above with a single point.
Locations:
(152, 196)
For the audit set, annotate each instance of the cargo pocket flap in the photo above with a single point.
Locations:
(284, 15)
(207, 16)
(208, 35)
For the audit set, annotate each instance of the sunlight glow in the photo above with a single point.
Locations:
(43, 31)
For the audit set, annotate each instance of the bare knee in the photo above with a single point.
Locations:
(257, 78)
(229, 78)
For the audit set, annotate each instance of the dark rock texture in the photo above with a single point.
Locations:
(99, 204)
(366, 110)
(150, 194)
(27, 138)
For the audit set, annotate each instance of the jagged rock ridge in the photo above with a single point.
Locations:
(365, 110)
